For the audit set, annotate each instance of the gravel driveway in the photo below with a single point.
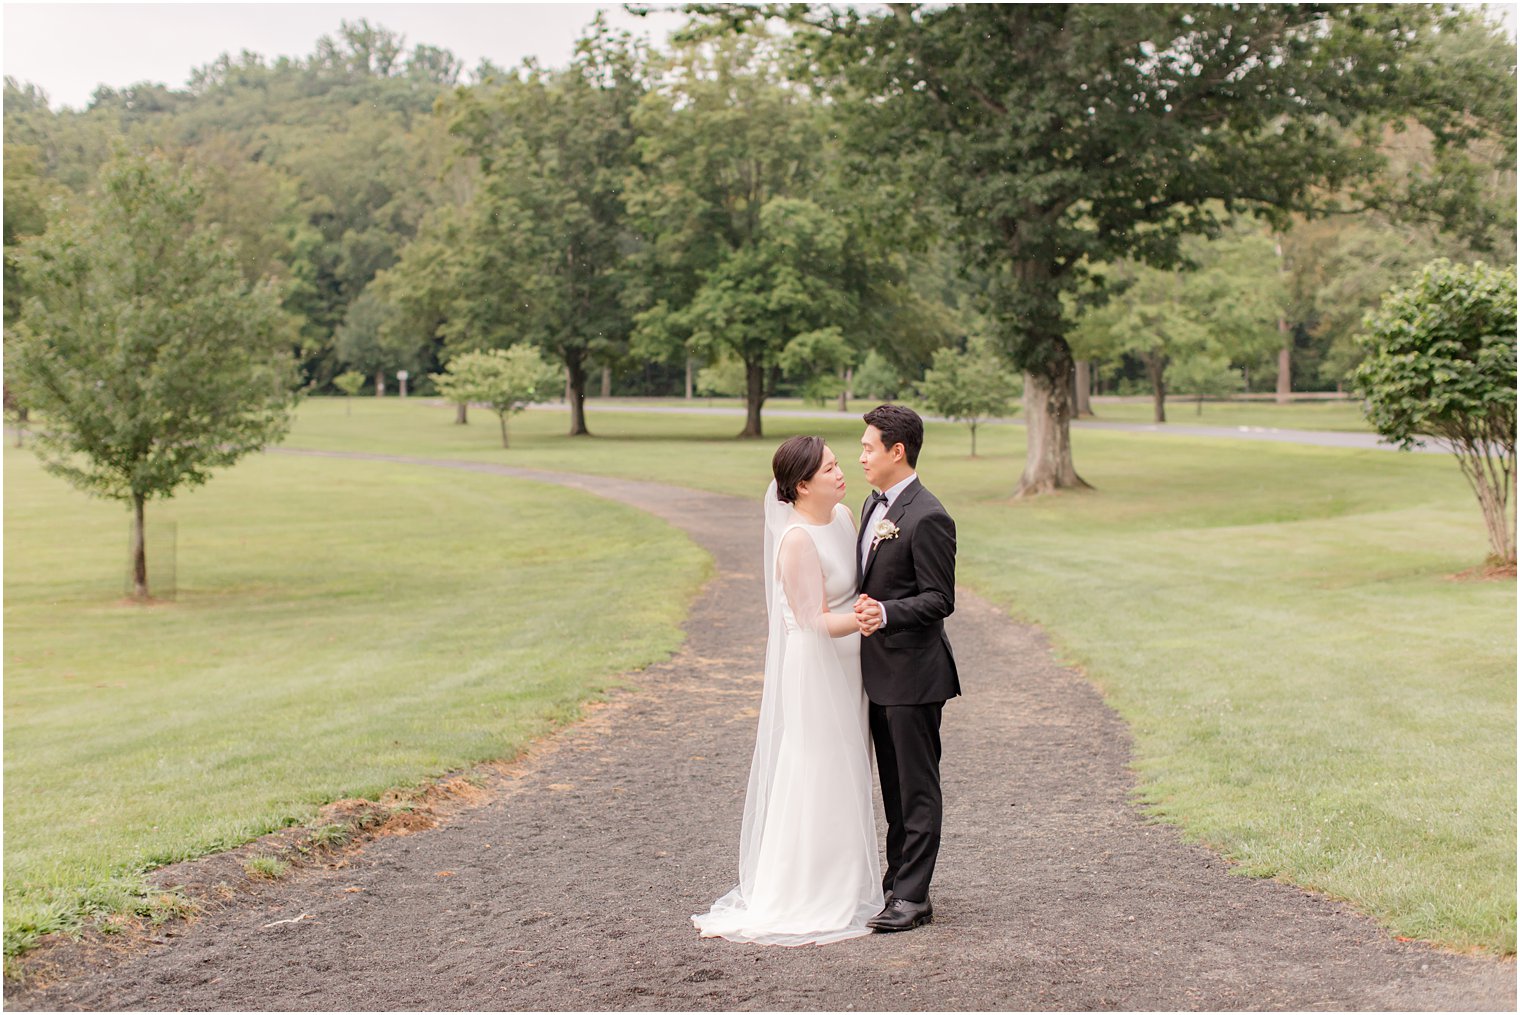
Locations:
(570, 884)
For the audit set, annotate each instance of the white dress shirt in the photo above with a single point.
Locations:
(877, 515)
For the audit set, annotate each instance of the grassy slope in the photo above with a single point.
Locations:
(340, 628)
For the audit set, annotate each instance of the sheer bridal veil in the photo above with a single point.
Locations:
(762, 769)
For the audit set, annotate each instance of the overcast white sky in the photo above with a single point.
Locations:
(68, 49)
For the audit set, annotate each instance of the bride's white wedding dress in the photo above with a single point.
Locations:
(808, 865)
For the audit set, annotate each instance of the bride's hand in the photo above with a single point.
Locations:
(867, 615)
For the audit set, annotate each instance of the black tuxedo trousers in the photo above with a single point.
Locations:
(909, 672)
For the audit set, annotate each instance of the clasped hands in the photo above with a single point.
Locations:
(868, 615)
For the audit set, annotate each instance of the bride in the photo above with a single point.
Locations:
(808, 865)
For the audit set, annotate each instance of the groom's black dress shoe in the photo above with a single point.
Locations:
(901, 914)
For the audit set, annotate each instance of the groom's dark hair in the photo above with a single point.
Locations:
(796, 461)
(898, 425)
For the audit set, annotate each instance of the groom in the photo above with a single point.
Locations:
(907, 589)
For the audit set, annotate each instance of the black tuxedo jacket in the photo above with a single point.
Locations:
(909, 662)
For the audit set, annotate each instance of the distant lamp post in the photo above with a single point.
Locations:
(401, 376)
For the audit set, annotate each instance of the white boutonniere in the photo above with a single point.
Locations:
(885, 530)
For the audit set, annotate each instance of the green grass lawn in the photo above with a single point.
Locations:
(1310, 692)
(1183, 411)
(340, 628)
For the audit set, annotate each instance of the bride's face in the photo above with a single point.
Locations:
(827, 484)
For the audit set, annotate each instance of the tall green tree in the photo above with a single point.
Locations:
(1064, 135)
(550, 236)
(742, 253)
(150, 357)
(777, 303)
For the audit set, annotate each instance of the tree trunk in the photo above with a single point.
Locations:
(689, 376)
(503, 417)
(1492, 476)
(973, 438)
(1155, 369)
(1285, 366)
(606, 382)
(575, 377)
(1084, 388)
(847, 392)
(462, 414)
(1047, 416)
(1285, 354)
(139, 553)
(379, 383)
(754, 397)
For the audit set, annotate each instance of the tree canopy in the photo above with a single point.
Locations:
(1062, 136)
(986, 169)
(544, 262)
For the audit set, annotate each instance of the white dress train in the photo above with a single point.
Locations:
(808, 864)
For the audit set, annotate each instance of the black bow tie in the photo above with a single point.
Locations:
(877, 497)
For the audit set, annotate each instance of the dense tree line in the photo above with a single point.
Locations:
(1196, 199)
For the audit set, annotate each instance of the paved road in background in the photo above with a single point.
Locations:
(1316, 438)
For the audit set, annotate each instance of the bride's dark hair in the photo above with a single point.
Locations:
(796, 460)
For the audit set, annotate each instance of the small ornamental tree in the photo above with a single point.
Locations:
(506, 381)
(1441, 364)
(1207, 372)
(349, 382)
(147, 355)
(970, 385)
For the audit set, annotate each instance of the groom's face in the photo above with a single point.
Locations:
(881, 466)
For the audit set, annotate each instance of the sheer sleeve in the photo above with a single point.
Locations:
(801, 575)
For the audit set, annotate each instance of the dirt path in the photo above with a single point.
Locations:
(572, 888)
